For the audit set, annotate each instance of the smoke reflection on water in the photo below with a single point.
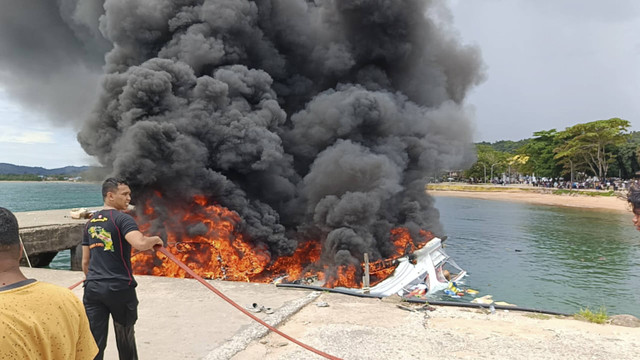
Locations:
(560, 259)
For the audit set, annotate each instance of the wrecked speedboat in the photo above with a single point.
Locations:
(430, 265)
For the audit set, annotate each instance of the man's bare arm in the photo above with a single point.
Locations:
(86, 255)
(141, 242)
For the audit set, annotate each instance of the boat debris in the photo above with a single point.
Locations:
(425, 271)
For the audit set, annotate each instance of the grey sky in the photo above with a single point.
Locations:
(550, 64)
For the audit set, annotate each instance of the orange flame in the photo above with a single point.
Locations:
(216, 251)
(345, 277)
(206, 238)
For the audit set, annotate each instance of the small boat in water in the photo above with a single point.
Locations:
(429, 268)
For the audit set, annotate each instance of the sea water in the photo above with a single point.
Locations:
(545, 257)
(45, 195)
(19, 196)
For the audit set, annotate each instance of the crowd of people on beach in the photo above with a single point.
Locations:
(589, 183)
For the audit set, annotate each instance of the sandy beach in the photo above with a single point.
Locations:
(530, 195)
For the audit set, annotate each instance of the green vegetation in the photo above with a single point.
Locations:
(599, 317)
(602, 148)
(57, 177)
(580, 192)
(541, 154)
(21, 177)
(487, 188)
(506, 146)
(490, 160)
(627, 157)
(589, 146)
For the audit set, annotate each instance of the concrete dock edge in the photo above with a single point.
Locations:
(255, 331)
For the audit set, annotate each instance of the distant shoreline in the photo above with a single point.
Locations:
(528, 195)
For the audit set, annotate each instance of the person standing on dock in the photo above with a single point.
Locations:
(37, 320)
(109, 287)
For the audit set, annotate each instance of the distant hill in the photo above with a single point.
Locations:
(11, 169)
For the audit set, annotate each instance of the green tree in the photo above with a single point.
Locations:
(489, 159)
(506, 146)
(627, 158)
(590, 145)
(19, 177)
(540, 151)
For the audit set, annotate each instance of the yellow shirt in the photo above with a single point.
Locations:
(44, 321)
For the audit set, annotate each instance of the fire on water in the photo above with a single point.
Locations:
(205, 237)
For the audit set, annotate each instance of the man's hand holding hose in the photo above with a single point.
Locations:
(141, 242)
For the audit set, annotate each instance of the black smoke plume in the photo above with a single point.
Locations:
(310, 119)
(51, 56)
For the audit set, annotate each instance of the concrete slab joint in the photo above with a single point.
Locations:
(255, 331)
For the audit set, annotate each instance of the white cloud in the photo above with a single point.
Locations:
(28, 138)
(25, 137)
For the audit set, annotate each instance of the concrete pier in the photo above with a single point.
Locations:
(181, 319)
(47, 232)
(178, 318)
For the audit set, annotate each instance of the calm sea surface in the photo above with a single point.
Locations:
(542, 257)
(30, 196)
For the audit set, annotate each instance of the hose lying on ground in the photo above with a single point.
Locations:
(424, 301)
(225, 298)
(234, 304)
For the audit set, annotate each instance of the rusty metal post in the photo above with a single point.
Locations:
(365, 280)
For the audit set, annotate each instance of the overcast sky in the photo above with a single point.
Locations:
(28, 138)
(550, 64)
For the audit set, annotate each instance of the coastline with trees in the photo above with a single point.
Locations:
(11, 172)
(602, 149)
(584, 199)
(588, 165)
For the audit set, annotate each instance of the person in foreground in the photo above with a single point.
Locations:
(37, 320)
(634, 199)
(109, 288)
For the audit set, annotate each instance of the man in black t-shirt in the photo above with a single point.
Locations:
(106, 262)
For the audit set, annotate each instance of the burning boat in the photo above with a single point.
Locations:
(271, 138)
(427, 265)
(428, 268)
(206, 236)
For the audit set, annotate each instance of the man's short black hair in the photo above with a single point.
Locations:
(9, 233)
(111, 185)
(633, 196)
